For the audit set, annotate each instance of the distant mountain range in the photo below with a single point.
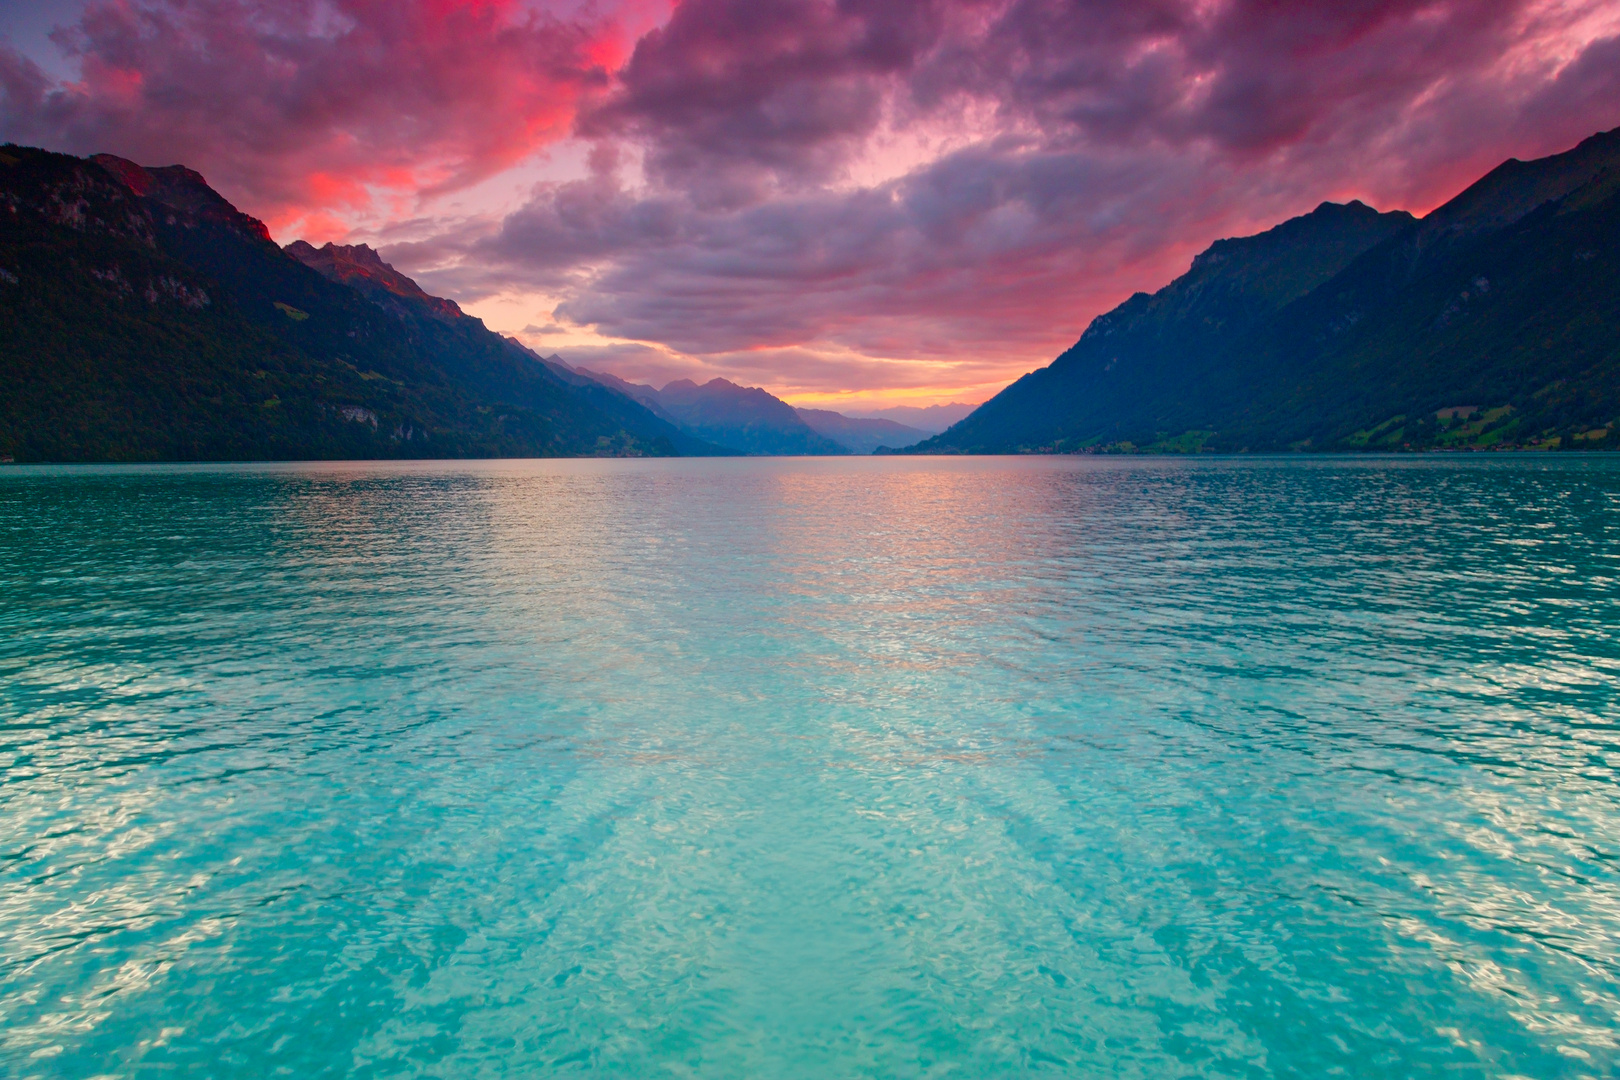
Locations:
(144, 318)
(930, 418)
(1493, 322)
(755, 422)
(863, 435)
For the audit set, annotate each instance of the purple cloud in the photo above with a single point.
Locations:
(301, 106)
(833, 194)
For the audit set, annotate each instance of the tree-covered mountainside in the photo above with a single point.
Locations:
(142, 317)
(1492, 322)
(494, 367)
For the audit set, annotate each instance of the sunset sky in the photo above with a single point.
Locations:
(858, 203)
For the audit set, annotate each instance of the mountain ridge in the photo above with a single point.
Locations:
(755, 421)
(143, 317)
(1495, 295)
(863, 435)
(929, 419)
(361, 268)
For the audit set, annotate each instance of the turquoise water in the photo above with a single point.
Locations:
(812, 768)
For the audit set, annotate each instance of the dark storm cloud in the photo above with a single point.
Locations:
(1140, 132)
(303, 103)
(950, 260)
(967, 181)
(736, 98)
(1126, 136)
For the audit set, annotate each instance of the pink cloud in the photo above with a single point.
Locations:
(306, 105)
(1062, 153)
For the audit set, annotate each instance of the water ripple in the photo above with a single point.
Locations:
(974, 767)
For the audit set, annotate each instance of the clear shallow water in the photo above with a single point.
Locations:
(812, 768)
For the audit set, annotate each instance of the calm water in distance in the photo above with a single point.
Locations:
(974, 767)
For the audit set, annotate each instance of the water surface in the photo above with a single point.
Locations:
(812, 768)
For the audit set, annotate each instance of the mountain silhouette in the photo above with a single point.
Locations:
(143, 317)
(1493, 322)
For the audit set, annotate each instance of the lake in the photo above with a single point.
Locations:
(949, 767)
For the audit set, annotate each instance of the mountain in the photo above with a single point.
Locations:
(448, 333)
(861, 435)
(143, 317)
(1148, 353)
(931, 419)
(755, 421)
(645, 395)
(1491, 322)
(742, 418)
(363, 270)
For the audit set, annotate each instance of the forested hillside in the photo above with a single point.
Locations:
(1494, 322)
(142, 317)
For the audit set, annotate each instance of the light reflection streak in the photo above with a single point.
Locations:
(1088, 714)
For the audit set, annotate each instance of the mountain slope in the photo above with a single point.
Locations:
(363, 270)
(1521, 320)
(496, 368)
(646, 395)
(930, 419)
(142, 317)
(1501, 299)
(860, 435)
(1140, 367)
(746, 419)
